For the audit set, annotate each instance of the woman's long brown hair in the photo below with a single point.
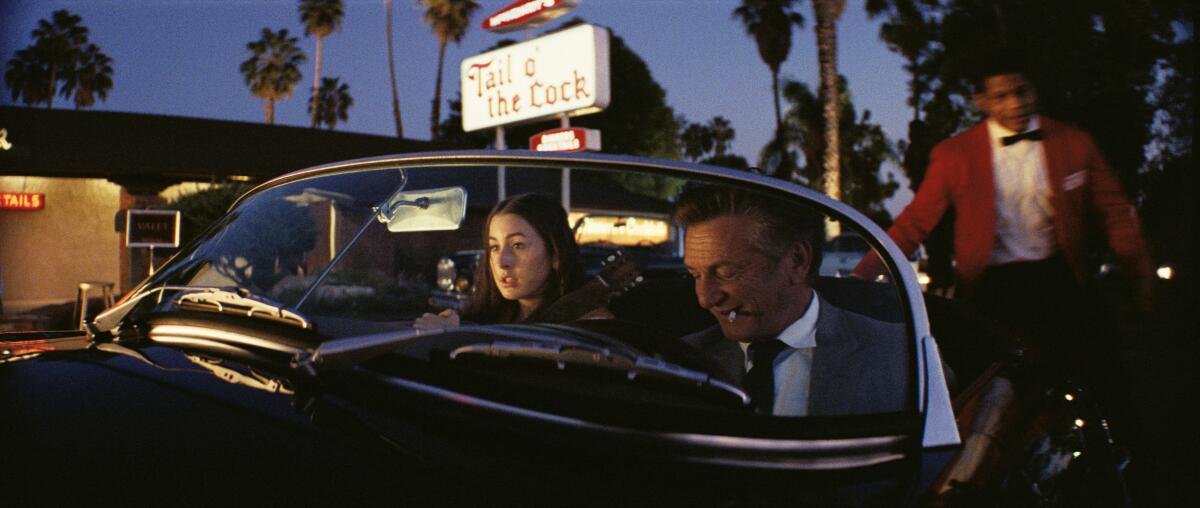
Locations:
(549, 220)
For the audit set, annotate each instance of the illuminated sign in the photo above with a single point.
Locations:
(623, 231)
(526, 14)
(564, 72)
(22, 201)
(152, 228)
(570, 139)
(4, 144)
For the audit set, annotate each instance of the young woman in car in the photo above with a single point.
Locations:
(531, 262)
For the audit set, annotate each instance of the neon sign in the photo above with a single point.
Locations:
(22, 201)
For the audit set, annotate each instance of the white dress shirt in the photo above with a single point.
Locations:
(1024, 216)
(793, 367)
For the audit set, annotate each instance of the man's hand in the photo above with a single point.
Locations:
(442, 320)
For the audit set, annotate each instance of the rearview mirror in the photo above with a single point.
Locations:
(426, 210)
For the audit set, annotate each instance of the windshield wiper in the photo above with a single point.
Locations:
(239, 302)
(253, 379)
(564, 354)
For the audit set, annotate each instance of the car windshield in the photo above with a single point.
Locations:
(368, 248)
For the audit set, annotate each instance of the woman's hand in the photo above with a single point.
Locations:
(444, 319)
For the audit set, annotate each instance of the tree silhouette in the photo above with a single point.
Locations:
(700, 139)
(770, 23)
(28, 77)
(60, 53)
(449, 20)
(273, 69)
(863, 150)
(92, 79)
(332, 103)
(722, 134)
(827, 12)
(320, 18)
(697, 140)
(387, 7)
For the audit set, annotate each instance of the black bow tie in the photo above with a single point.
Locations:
(1033, 135)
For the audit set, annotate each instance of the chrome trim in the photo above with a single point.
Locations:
(204, 343)
(764, 453)
(188, 334)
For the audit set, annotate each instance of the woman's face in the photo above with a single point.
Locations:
(519, 258)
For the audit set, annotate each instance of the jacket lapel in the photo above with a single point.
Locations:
(1055, 149)
(727, 353)
(982, 184)
(835, 365)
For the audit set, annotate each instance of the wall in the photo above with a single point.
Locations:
(44, 254)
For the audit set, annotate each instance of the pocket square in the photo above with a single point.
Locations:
(1074, 180)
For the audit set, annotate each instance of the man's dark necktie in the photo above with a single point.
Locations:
(760, 380)
(1033, 135)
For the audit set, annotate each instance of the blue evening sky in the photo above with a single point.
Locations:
(181, 57)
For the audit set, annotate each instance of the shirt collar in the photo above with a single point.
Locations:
(997, 131)
(803, 332)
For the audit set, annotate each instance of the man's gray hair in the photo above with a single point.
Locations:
(777, 224)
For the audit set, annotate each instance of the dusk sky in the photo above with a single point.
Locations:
(181, 57)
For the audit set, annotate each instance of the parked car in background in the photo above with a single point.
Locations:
(843, 252)
(274, 361)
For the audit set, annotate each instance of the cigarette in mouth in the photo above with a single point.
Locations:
(732, 315)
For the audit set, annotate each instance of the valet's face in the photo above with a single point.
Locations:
(1009, 99)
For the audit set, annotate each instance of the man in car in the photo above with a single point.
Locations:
(754, 261)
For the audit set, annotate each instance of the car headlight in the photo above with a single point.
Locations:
(446, 274)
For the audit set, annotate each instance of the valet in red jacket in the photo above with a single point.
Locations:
(1024, 188)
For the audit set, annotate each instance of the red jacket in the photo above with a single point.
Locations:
(960, 175)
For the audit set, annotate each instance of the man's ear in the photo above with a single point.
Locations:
(802, 256)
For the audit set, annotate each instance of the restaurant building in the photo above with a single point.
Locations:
(66, 178)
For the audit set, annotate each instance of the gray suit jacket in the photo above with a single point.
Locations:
(860, 365)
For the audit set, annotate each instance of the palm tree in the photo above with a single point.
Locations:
(320, 18)
(770, 23)
(28, 77)
(332, 103)
(273, 69)
(387, 6)
(449, 20)
(60, 42)
(827, 13)
(722, 134)
(60, 53)
(697, 140)
(92, 78)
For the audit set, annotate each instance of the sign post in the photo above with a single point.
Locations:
(152, 228)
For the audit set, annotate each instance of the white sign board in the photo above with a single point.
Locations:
(564, 72)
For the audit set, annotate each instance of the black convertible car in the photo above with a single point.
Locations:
(274, 361)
